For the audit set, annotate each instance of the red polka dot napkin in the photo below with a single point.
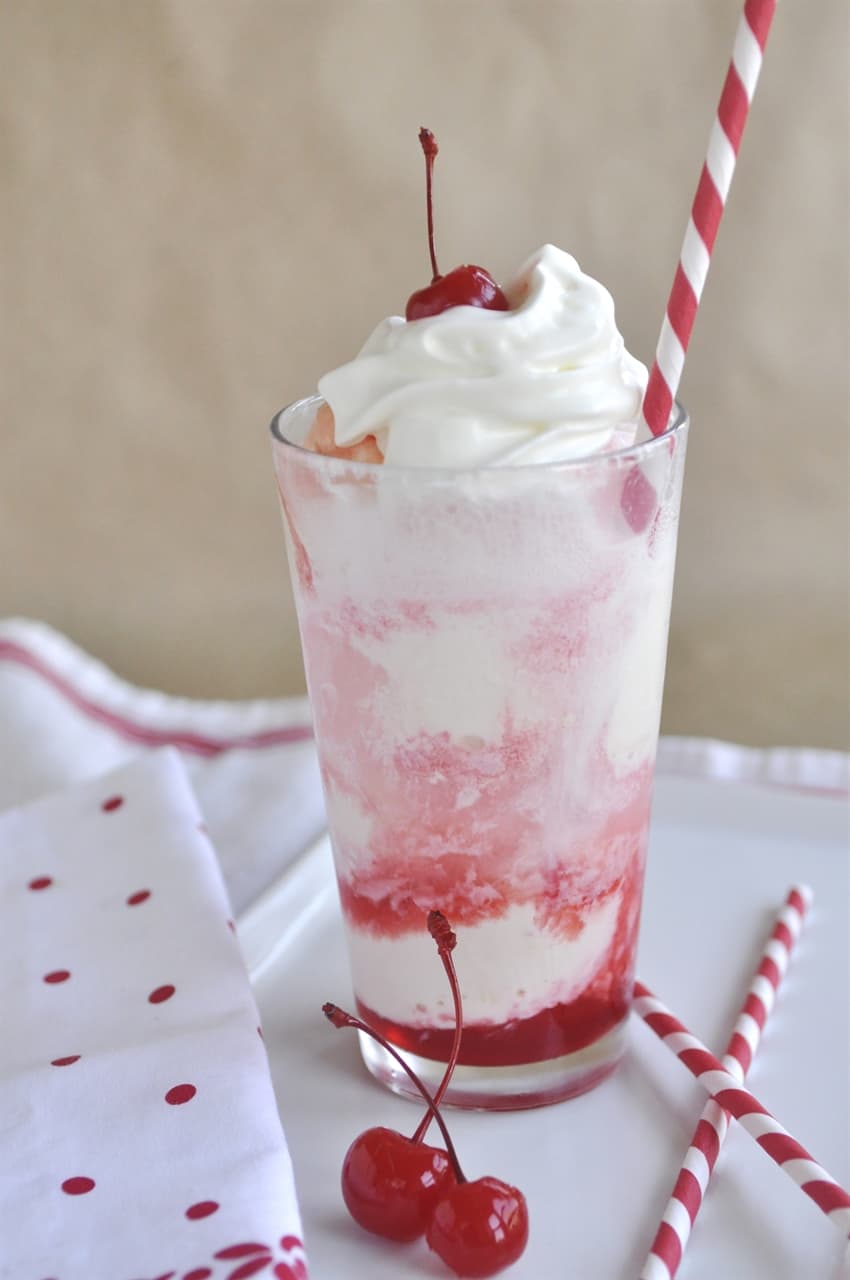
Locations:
(139, 1134)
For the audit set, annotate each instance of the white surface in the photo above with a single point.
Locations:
(597, 1170)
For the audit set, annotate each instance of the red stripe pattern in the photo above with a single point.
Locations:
(706, 212)
(730, 1096)
(193, 743)
(674, 1231)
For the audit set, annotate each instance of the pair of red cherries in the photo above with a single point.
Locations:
(402, 1188)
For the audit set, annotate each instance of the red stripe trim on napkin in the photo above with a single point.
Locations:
(195, 743)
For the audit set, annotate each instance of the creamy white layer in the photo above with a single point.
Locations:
(546, 381)
(467, 683)
(508, 968)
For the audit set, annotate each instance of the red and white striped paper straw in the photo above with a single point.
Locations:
(793, 1158)
(706, 212)
(673, 1233)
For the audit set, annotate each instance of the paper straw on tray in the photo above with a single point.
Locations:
(706, 212)
(784, 1150)
(673, 1233)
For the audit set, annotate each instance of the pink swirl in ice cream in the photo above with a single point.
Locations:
(548, 380)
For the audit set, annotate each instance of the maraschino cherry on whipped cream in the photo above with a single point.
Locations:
(477, 376)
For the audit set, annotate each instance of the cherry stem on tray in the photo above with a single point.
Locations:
(340, 1018)
(430, 149)
(446, 940)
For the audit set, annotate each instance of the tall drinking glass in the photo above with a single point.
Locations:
(485, 654)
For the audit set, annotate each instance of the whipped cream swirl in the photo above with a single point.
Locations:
(549, 380)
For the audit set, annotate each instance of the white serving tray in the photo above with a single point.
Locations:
(597, 1170)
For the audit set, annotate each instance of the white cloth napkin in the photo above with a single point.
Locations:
(65, 717)
(139, 1133)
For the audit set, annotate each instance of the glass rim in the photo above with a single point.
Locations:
(635, 452)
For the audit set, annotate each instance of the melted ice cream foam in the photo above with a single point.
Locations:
(550, 380)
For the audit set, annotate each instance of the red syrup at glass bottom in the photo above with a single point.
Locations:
(553, 1033)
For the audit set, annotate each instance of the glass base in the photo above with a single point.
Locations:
(531, 1084)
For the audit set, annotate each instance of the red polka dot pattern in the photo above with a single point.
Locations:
(118, 883)
(159, 994)
(202, 1209)
(180, 1093)
(251, 1268)
(78, 1186)
(247, 1250)
(57, 975)
(290, 1270)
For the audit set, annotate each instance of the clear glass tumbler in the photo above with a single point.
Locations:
(485, 655)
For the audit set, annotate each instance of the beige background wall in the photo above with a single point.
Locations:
(205, 203)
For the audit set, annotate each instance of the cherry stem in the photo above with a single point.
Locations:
(428, 143)
(339, 1018)
(446, 940)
